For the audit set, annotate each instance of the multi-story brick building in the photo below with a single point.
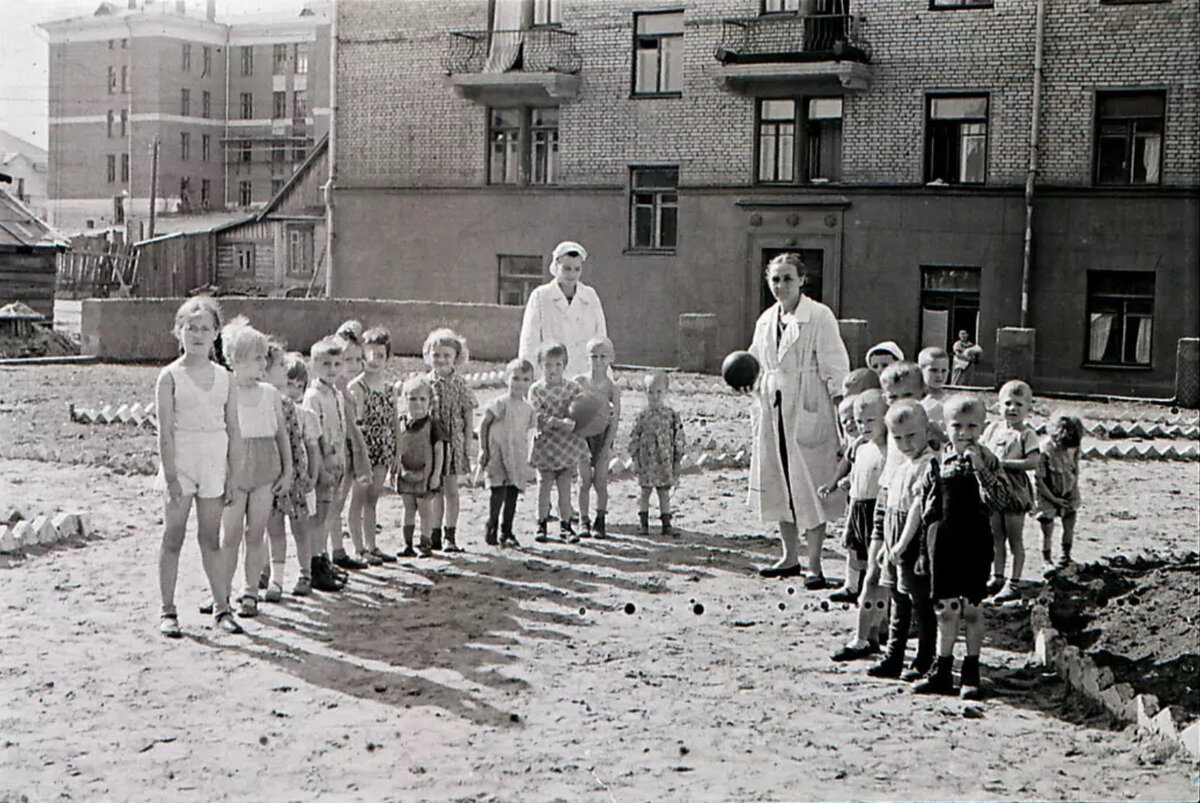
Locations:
(234, 105)
(685, 143)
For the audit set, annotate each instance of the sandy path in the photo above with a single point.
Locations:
(405, 687)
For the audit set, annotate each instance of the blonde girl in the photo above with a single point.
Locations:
(266, 470)
(656, 446)
(454, 404)
(557, 449)
(199, 447)
(420, 452)
(1016, 444)
(349, 335)
(1057, 481)
(375, 401)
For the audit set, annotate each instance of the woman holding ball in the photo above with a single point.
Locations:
(803, 361)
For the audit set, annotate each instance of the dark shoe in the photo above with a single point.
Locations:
(408, 552)
(346, 562)
(508, 539)
(971, 682)
(541, 536)
(667, 529)
(226, 622)
(585, 527)
(383, 556)
(598, 525)
(815, 582)
(994, 586)
(887, 668)
(941, 681)
(849, 653)
(566, 533)
(206, 607)
(916, 671)
(370, 558)
(450, 546)
(844, 595)
(643, 522)
(782, 571)
(489, 535)
(264, 579)
(303, 587)
(435, 539)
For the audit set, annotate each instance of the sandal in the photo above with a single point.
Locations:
(226, 622)
(169, 626)
(815, 582)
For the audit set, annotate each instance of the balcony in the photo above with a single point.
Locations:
(780, 54)
(532, 67)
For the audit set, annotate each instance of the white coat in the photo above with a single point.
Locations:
(801, 372)
(550, 319)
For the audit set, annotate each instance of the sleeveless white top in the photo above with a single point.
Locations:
(196, 409)
(257, 419)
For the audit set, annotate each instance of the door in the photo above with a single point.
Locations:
(813, 270)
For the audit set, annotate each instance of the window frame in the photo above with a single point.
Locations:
(246, 192)
(205, 104)
(108, 125)
(300, 104)
(185, 61)
(125, 167)
(1090, 307)
(185, 146)
(205, 147)
(657, 206)
(279, 105)
(243, 258)
(246, 152)
(303, 236)
(124, 79)
(763, 11)
(247, 59)
(931, 128)
(527, 282)
(206, 60)
(525, 147)
(550, 7)
(956, 299)
(659, 92)
(124, 122)
(246, 100)
(111, 163)
(205, 193)
(300, 58)
(112, 80)
(185, 103)
(959, 5)
(802, 122)
(279, 59)
(1102, 94)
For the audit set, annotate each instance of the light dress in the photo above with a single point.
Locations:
(259, 424)
(508, 443)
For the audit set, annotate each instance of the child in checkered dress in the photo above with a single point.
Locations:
(656, 445)
(557, 449)
(453, 409)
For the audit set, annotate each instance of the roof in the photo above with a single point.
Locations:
(297, 174)
(16, 311)
(20, 227)
(165, 225)
(11, 146)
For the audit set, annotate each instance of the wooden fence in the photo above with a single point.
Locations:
(167, 266)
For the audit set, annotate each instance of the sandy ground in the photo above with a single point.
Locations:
(518, 676)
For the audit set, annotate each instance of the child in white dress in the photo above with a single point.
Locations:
(504, 451)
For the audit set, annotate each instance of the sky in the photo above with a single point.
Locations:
(24, 72)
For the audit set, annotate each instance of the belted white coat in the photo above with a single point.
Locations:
(801, 371)
(549, 318)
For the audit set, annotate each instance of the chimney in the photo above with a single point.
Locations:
(210, 10)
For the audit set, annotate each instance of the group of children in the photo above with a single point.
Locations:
(937, 501)
(281, 442)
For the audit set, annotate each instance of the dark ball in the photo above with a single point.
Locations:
(630, 607)
(740, 370)
(698, 608)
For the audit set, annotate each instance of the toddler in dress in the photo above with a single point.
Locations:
(656, 446)
(504, 451)
(1057, 480)
(453, 410)
(420, 453)
(557, 449)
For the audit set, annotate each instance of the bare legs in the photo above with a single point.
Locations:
(208, 524)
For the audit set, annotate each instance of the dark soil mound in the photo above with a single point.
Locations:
(1138, 618)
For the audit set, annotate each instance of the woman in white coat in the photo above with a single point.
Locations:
(796, 438)
(564, 310)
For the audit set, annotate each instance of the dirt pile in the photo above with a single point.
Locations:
(41, 342)
(1137, 617)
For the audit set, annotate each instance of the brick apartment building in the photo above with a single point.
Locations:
(235, 105)
(685, 143)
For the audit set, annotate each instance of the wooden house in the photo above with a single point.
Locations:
(281, 250)
(28, 248)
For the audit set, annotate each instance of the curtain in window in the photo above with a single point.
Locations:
(1142, 347)
(508, 23)
(1151, 158)
(1101, 328)
(935, 327)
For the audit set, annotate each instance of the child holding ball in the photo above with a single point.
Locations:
(656, 446)
(593, 469)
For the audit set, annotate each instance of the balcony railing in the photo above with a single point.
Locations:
(538, 50)
(792, 37)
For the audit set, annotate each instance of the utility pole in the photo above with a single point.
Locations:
(153, 186)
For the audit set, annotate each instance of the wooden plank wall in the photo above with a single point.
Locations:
(176, 265)
(28, 277)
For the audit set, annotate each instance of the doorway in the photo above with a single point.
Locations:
(813, 270)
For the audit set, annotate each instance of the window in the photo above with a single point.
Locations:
(124, 121)
(278, 153)
(244, 193)
(243, 257)
(299, 104)
(301, 55)
(300, 250)
(110, 43)
(206, 59)
(112, 168)
(247, 105)
(300, 144)
(956, 139)
(818, 149)
(186, 63)
(112, 80)
(279, 59)
(108, 126)
(1129, 137)
(205, 147)
(949, 304)
(245, 151)
(206, 104)
(247, 60)
(658, 53)
(118, 210)
(125, 167)
(124, 79)
(185, 102)
(185, 193)
(276, 186)
(654, 203)
(935, 4)
(523, 146)
(278, 105)
(185, 146)
(124, 43)
(519, 275)
(205, 193)
(547, 12)
(777, 6)
(1120, 310)
(21, 190)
